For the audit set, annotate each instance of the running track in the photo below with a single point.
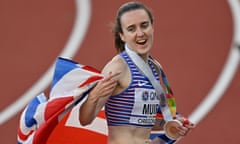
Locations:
(192, 41)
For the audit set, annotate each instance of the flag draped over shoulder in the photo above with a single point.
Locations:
(71, 82)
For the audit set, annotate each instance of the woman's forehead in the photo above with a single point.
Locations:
(134, 17)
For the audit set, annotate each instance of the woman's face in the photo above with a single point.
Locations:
(137, 31)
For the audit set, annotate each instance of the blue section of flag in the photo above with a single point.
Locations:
(62, 67)
(163, 137)
(31, 110)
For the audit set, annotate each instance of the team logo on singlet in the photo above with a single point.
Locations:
(149, 95)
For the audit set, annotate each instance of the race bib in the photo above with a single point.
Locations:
(146, 105)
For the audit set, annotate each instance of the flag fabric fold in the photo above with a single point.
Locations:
(70, 84)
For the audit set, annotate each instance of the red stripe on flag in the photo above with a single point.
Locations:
(44, 131)
(90, 80)
(53, 109)
(101, 114)
(22, 136)
(72, 135)
(91, 69)
(56, 105)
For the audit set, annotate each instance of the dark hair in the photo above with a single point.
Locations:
(119, 44)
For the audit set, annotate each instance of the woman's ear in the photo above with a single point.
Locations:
(121, 36)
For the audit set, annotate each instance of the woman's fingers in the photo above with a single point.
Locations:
(182, 130)
(106, 86)
(186, 127)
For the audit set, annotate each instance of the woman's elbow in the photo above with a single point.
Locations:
(84, 118)
(84, 122)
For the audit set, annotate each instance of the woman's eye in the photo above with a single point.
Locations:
(131, 29)
(145, 25)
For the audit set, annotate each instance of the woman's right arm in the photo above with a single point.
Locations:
(102, 91)
(97, 98)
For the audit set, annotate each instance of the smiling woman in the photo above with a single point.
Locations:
(187, 34)
(131, 109)
(137, 34)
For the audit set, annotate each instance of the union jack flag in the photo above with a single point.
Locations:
(71, 82)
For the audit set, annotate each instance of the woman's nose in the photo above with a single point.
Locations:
(139, 33)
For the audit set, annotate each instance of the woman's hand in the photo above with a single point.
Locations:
(186, 126)
(91, 107)
(106, 86)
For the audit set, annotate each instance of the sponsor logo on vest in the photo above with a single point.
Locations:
(146, 120)
(150, 96)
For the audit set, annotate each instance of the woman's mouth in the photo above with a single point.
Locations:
(141, 42)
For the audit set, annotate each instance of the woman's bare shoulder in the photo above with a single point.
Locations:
(116, 64)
